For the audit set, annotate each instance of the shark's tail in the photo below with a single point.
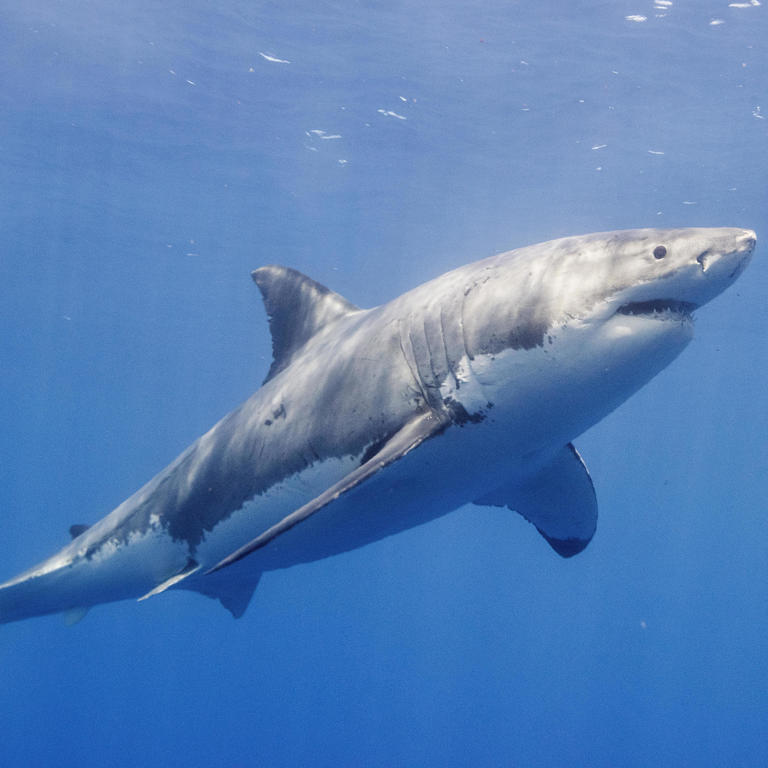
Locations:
(24, 597)
(51, 587)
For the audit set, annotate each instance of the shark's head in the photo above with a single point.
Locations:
(593, 318)
(653, 275)
(627, 282)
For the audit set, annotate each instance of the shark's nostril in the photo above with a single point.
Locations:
(703, 259)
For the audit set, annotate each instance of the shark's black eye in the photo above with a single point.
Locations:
(659, 252)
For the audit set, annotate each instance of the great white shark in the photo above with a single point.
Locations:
(469, 388)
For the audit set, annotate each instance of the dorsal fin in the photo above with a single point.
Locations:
(297, 308)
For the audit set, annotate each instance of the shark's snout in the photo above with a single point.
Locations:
(748, 240)
(739, 252)
(735, 259)
(747, 244)
(721, 260)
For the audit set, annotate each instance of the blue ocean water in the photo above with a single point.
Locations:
(153, 154)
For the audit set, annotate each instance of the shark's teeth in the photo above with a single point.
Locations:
(658, 307)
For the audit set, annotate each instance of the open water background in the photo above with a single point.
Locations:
(152, 154)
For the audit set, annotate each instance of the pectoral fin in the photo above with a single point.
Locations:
(190, 568)
(411, 435)
(559, 500)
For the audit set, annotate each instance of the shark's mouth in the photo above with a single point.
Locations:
(659, 308)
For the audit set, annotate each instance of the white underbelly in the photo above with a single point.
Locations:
(442, 474)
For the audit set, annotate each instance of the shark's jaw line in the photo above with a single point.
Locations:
(659, 309)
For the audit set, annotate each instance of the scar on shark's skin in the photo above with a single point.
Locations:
(468, 388)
